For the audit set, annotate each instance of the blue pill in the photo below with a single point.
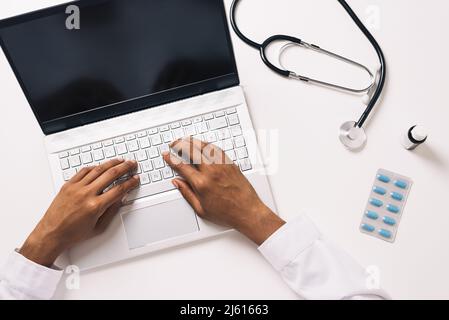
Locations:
(389, 221)
(379, 190)
(392, 208)
(368, 227)
(372, 215)
(385, 233)
(400, 184)
(383, 178)
(376, 202)
(397, 196)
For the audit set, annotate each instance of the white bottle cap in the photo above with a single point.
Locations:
(419, 133)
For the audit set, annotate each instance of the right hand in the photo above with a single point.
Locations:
(219, 192)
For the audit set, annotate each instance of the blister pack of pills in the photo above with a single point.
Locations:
(385, 206)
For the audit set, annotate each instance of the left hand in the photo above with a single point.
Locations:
(80, 210)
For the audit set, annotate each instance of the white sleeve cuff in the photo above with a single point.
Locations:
(289, 241)
(29, 278)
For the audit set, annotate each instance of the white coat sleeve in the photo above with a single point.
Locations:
(22, 279)
(313, 267)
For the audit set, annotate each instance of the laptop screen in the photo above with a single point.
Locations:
(125, 56)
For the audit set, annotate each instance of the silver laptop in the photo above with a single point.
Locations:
(135, 76)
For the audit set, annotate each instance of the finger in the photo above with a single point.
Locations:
(113, 174)
(215, 155)
(105, 220)
(189, 149)
(189, 195)
(81, 174)
(186, 170)
(99, 170)
(118, 192)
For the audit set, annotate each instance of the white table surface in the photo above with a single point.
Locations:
(316, 174)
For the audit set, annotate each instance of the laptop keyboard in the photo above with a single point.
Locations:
(222, 128)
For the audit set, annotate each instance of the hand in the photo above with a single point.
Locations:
(80, 210)
(216, 189)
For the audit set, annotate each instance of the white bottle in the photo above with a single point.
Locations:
(415, 136)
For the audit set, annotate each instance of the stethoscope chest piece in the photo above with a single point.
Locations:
(352, 136)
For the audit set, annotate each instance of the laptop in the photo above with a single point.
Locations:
(132, 77)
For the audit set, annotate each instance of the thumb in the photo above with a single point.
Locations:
(189, 195)
(104, 221)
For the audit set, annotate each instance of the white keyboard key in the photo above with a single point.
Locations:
(87, 158)
(223, 134)
(186, 123)
(156, 176)
(167, 173)
(75, 161)
(236, 131)
(219, 114)
(167, 137)
(121, 148)
(242, 153)
(108, 143)
(153, 152)
(164, 148)
(175, 125)
(86, 149)
(164, 128)
(144, 143)
(98, 155)
(208, 117)
(133, 146)
(219, 144)
(210, 137)
(144, 179)
(68, 174)
(153, 131)
(159, 163)
(231, 154)
(119, 140)
(141, 156)
(202, 127)
(74, 152)
(233, 119)
(199, 137)
(150, 189)
(130, 137)
(190, 131)
(147, 166)
(141, 134)
(239, 142)
(245, 165)
(231, 111)
(218, 123)
(109, 152)
(198, 119)
(228, 145)
(64, 164)
(156, 140)
(129, 157)
(63, 155)
(96, 146)
(178, 134)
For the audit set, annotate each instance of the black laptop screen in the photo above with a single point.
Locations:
(154, 50)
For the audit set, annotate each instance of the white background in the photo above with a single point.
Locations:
(316, 174)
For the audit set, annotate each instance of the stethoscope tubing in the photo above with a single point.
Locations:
(262, 49)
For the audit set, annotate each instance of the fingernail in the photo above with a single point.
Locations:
(165, 153)
(136, 177)
(175, 183)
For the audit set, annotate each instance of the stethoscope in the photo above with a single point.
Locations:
(352, 133)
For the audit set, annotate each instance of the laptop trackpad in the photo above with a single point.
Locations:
(160, 222)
